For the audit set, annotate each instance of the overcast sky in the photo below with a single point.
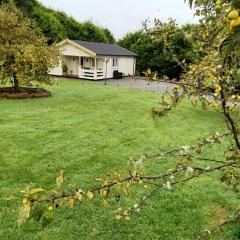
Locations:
(122, 16)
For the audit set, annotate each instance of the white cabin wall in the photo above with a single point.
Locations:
(100, 63)
(57, 70)
(72, 63)
(109, 73)
(126, 65)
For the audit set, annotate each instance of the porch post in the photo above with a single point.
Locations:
(106, 69)
(95, 69)
(79, 67)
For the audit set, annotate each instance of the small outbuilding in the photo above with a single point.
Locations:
(94, 61)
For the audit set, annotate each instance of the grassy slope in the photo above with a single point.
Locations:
(87, 130)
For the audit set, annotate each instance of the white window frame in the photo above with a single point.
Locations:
(115, 63)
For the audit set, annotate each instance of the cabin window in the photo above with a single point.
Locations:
(115, 62)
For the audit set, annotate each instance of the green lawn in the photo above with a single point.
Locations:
(89, 129)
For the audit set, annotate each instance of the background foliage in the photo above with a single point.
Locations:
(57, 25)
(151, 52)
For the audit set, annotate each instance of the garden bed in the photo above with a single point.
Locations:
(23, 93)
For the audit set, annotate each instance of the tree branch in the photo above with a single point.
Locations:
(194, 147)
(234, 218)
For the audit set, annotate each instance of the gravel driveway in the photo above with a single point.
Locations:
(139, 83)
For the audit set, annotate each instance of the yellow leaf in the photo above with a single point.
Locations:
(79, 196)
(60, 179)
(104, 193)
(126, 192)
(36, 190)
(234, 14)
(50, 208)
(10, 198)
(25, 201)
(218, 88)
(98, 179)
(23, 214)
(25, 191)
(71, 202)
(105, 183)
(118, 217)
(105, 203)
(90, 195)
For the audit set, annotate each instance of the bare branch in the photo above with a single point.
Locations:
(192, 148)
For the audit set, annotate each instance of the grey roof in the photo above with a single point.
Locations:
(105, 49)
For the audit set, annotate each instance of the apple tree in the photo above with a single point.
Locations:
(25, 56)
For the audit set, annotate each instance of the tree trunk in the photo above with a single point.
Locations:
(15, 82)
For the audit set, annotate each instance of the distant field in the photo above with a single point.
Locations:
(88, 129)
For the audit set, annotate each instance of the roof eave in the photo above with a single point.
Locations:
(68, 41)
(117, 55)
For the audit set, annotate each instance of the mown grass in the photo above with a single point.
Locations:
(88, 130)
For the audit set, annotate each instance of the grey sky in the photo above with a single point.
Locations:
(122, 16)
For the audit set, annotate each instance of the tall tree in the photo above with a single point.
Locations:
(109, 35)
(25, 55)
(57, 25)
(151, 53)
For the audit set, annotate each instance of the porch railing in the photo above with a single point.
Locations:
(92, 74)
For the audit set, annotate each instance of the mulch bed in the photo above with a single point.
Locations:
(23, 93)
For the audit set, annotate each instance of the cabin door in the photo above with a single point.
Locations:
(87, 63)
(74, 66)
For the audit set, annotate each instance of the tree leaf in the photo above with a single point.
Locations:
(60, 179)
(90, 195)
(23, 214)
(79, 196)
(36, 190)
(71, 202)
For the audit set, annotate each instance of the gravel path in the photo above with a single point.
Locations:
(139, 83)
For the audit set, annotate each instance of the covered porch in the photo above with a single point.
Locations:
(84, 67)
